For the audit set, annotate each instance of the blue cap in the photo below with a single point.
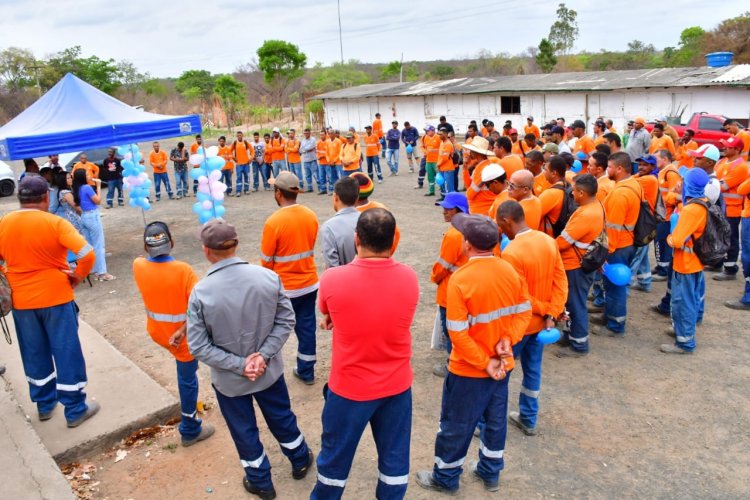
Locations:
(455, 200)
(428, 128)
(581, 155)
(650, 159)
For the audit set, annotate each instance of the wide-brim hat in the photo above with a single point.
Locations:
(479, 145)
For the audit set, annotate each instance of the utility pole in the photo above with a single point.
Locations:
(341, 42)
(401, 69)
(36, 68)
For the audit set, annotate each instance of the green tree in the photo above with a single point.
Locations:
(390, 70)
(442, 71)
(564, 32)
(196, 85)
(154, 87)
(336, 76)
(281, 63)
(731, 35)
(232, 94)
(546, 58)
(689, 51)
(102, 74)
(17, 68)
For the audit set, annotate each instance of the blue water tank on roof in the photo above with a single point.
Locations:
(719, 59)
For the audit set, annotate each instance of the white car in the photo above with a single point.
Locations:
(7, 180)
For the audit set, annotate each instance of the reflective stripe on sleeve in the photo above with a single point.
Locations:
(450, 267)
(569, 239)
(84, 251)
(42, 382)
(166, 318)
(393, 480)
(499, 313)
(290, 258)
(457, 326)
(733, 196)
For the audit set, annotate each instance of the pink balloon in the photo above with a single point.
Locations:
(202, 180)
(215, 175)
(203, 188)
(207, 205)
(196, 159)
(219, 186)
(217, 194)
(143, 176)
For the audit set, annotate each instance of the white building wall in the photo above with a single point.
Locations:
(620, 106)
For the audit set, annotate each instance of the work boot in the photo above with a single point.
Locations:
(515, 418)
(440, 370)
(488, 485)
(725, 276)
(603, 331)
(306, 381)
(207, 430)
(302, 471)
(593, 308)
(43, 417)
(426, 481)
(670, 331)
(263, 494)
(658, 277)
(657, 309)
(737, 305)
(92, 409)
(2, 369)
(569, 352)
(673, 349)
(429, 193)
(599, 319)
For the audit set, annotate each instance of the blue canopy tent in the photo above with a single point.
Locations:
(74, 116)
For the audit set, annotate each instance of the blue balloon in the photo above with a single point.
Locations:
(145, 204)
(673, 221)
(439, 179)
(137, 157)
(215, 162)
(198, 207)
(146, 184)
(205, 216)
(548, 336)
(126, 164)
(133, 202)
(409, 149)
(123, 150)
(140, 168)
(203, 196)
(218, 202)
(577, 166)
(618, 274)
(200, 151)
(504, 242)
(220, 210)
(197, 172)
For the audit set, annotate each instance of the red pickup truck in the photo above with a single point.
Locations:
(709, 129)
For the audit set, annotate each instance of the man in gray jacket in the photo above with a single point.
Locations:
(640, 140)
(338, 231)
(239, 318)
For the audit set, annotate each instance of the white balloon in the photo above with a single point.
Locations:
(212, 151)
(202, 180)
(196, 159)
(215, 175)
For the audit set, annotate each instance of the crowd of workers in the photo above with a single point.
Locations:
(531, 218)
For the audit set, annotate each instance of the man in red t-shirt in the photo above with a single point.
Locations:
(371, 373)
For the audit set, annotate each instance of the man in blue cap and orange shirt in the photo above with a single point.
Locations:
(450, 259)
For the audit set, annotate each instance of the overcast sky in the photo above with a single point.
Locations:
(166, 37)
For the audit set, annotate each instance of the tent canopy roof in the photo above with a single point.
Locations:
(75, 116)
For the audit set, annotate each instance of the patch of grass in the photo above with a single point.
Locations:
(170, 447)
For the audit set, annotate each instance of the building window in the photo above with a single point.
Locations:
(510, 105)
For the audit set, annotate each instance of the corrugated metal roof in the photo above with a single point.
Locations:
(738, 75)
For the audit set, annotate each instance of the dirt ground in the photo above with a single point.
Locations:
(627, 421)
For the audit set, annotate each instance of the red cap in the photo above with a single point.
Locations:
(733, 142)
(512, 131)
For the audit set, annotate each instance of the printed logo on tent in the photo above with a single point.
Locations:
(186, 127)
(3, 149)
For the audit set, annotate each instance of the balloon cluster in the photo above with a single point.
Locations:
(135, 177)
(210, 204)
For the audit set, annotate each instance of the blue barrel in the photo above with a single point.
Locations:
(719, 59)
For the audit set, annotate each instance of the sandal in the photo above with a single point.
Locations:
(105, 277)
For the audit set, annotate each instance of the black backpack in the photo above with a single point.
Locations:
(596, 254)
(569, 206)
(644, 231)
(457, 157)
(712, 246)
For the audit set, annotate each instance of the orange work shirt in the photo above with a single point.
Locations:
(372, 145)
(622, 207)
(226, 153)
(683, 157)
(267, 154)
(532, 129)
(276, 147)
(536, 258)
(377, 128)
(451, 257)
(552, 201)
(334, 152)
(659, 143)
(242, 152)
(482, 311)
(91, 168)
(431, 148)
(541, 184)
(34, 246)
(604, 186)
(321, 149)
(165, 286)
(583, 227)
(690, 227)
(158, 161)
(585, 144)
(287, 248)
(445, 157)
(511, 164)
(650, 185)
(732, 174)
(350, 154)
(532, 211)
(669, 178)
(292, 150)
(499, 200)
(745, 136)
